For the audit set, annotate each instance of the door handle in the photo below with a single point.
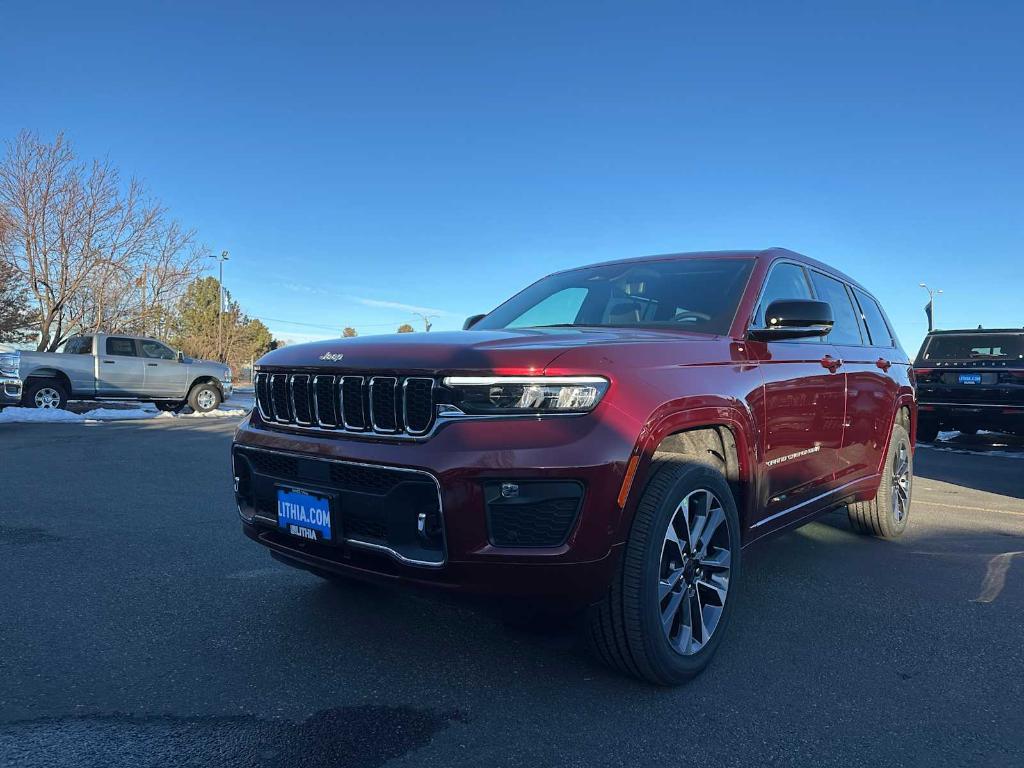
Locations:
(109, 362)
(884, 364)
(831, 363)
(151, 365)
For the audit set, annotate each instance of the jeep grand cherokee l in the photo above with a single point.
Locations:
(611, 437)
(970, 380)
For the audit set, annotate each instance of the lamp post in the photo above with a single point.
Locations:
(220, 304)
(931, 306)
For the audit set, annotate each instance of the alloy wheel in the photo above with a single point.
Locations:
(48, 398)
(900, 484)
(695, 567)
(206, 399)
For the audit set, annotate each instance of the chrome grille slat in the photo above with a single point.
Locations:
(386, 405)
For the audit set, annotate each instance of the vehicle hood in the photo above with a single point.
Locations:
(456, 351)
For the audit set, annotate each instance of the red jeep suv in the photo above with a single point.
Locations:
(612, 437)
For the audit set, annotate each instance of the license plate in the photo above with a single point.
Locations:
(304, 514)
(970, 378)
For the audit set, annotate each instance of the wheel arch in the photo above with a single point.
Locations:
(49, 373)
(206, 379)
(724, 436)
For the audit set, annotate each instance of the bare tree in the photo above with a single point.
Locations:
(92, 252)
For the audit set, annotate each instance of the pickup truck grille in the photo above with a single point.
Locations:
(383, 405)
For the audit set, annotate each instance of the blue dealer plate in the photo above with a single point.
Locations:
(970, 378)
(303, 514)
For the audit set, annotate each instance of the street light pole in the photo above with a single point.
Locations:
(220, 304)
(931, 303)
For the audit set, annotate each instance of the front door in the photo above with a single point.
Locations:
(802, 409)
(165, 376)
(120, 370)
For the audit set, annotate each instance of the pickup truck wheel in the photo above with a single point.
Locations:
(45, 394)
(204, 398)
(886, 515)
(671, 598)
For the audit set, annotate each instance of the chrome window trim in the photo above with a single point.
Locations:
(316, 401)
(373, 420)
(291, 398)
(405, 405)
(341, 404)
(367, 545)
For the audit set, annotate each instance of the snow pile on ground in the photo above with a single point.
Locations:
(220, 412)
(14, 415)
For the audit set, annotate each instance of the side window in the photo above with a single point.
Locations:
(877, 327)
(847, 320)
(557, 309)
(80, 345)
(156, 350)
(122, 347)
(785, 281)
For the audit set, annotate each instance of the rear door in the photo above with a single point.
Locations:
(165, 376)
(802, 411)
(870, 391)
(120, 370)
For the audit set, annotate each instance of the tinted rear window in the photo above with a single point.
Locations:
(975, 346)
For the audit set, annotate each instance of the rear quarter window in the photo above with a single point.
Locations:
(878, 329)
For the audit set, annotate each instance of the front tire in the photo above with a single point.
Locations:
(887, 514)
(204, 398)
(671, 598)
(46, 394)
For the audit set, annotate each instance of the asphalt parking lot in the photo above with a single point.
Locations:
(138, 627)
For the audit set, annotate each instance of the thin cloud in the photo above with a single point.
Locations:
(404, 307)
(301, 288)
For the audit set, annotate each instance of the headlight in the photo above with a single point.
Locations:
(526, 394)
(9, 363)
(227, 376)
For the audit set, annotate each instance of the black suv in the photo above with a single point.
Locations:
(970, 380)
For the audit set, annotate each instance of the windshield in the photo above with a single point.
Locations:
(976, 346)
(697, 294)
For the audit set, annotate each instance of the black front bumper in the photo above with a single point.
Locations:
(10, 391)
(387, 510)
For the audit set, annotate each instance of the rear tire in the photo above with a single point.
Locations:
(927, 430)
(45, 394)
(670, 601)
(204, 398)
(886, 515)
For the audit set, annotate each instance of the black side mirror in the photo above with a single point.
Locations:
(471, 321)
(795, 319)
(181, 356)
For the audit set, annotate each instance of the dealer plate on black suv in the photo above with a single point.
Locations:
(304, 514)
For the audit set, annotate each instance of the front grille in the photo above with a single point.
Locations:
(383, 405)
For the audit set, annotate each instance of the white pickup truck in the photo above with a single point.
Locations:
(109, 367)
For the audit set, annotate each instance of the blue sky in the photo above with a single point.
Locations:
(360, 160)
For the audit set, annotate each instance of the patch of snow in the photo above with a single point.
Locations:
(947, 435)
(220, 412)
(957, 449)
(17, 415)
